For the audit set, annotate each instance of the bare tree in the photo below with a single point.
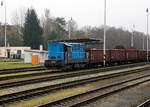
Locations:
(17, 20)
(18, 17)
(48, 22)
(73, 28)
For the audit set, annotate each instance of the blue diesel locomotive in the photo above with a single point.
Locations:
(63, 54)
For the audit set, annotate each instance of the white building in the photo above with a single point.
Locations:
(43, 55)
(8, 52)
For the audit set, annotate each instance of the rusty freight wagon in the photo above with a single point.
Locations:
(142, 55)
(131, 55)
(96, 56)
(118, 55)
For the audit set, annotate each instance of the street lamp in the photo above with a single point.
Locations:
(132, 36)
(69, 28)
(143, 42)
(147, 32)
(104, 32)
(4, 2)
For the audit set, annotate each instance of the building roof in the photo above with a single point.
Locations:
(36, 51)
(84, 40)
(15, 47)
(69, 44)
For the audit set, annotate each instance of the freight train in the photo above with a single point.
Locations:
(74, 55)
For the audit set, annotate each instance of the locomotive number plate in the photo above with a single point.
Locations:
(53, 62)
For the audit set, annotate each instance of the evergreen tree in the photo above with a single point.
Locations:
(32, 30)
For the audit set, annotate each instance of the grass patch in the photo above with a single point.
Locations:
(21, 64)
(50, 97)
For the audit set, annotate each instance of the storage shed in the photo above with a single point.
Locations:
(42, 55)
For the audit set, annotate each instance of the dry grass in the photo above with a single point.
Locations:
(49, 97)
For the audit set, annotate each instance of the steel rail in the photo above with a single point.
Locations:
(88, 72)
(50, 78)
(145, 104)
(98, 96)
(18, 70)
(44, 90)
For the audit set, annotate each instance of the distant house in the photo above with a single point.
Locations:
(13, 52)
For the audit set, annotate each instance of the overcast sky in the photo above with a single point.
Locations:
(120, 13)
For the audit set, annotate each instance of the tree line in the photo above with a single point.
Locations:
(30, 30)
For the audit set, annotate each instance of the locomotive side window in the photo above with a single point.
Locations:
(65, 48)
(69, 49)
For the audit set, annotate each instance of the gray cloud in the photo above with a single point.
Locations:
(120, 13)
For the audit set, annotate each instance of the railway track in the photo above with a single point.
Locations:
(50, 78)
(45, 73)
(9, 98)
(145, 104)
(18, 70)
(27, 69)
(25, 75)
(86, 98)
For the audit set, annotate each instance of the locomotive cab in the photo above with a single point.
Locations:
(62, 54)
(56, 54)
